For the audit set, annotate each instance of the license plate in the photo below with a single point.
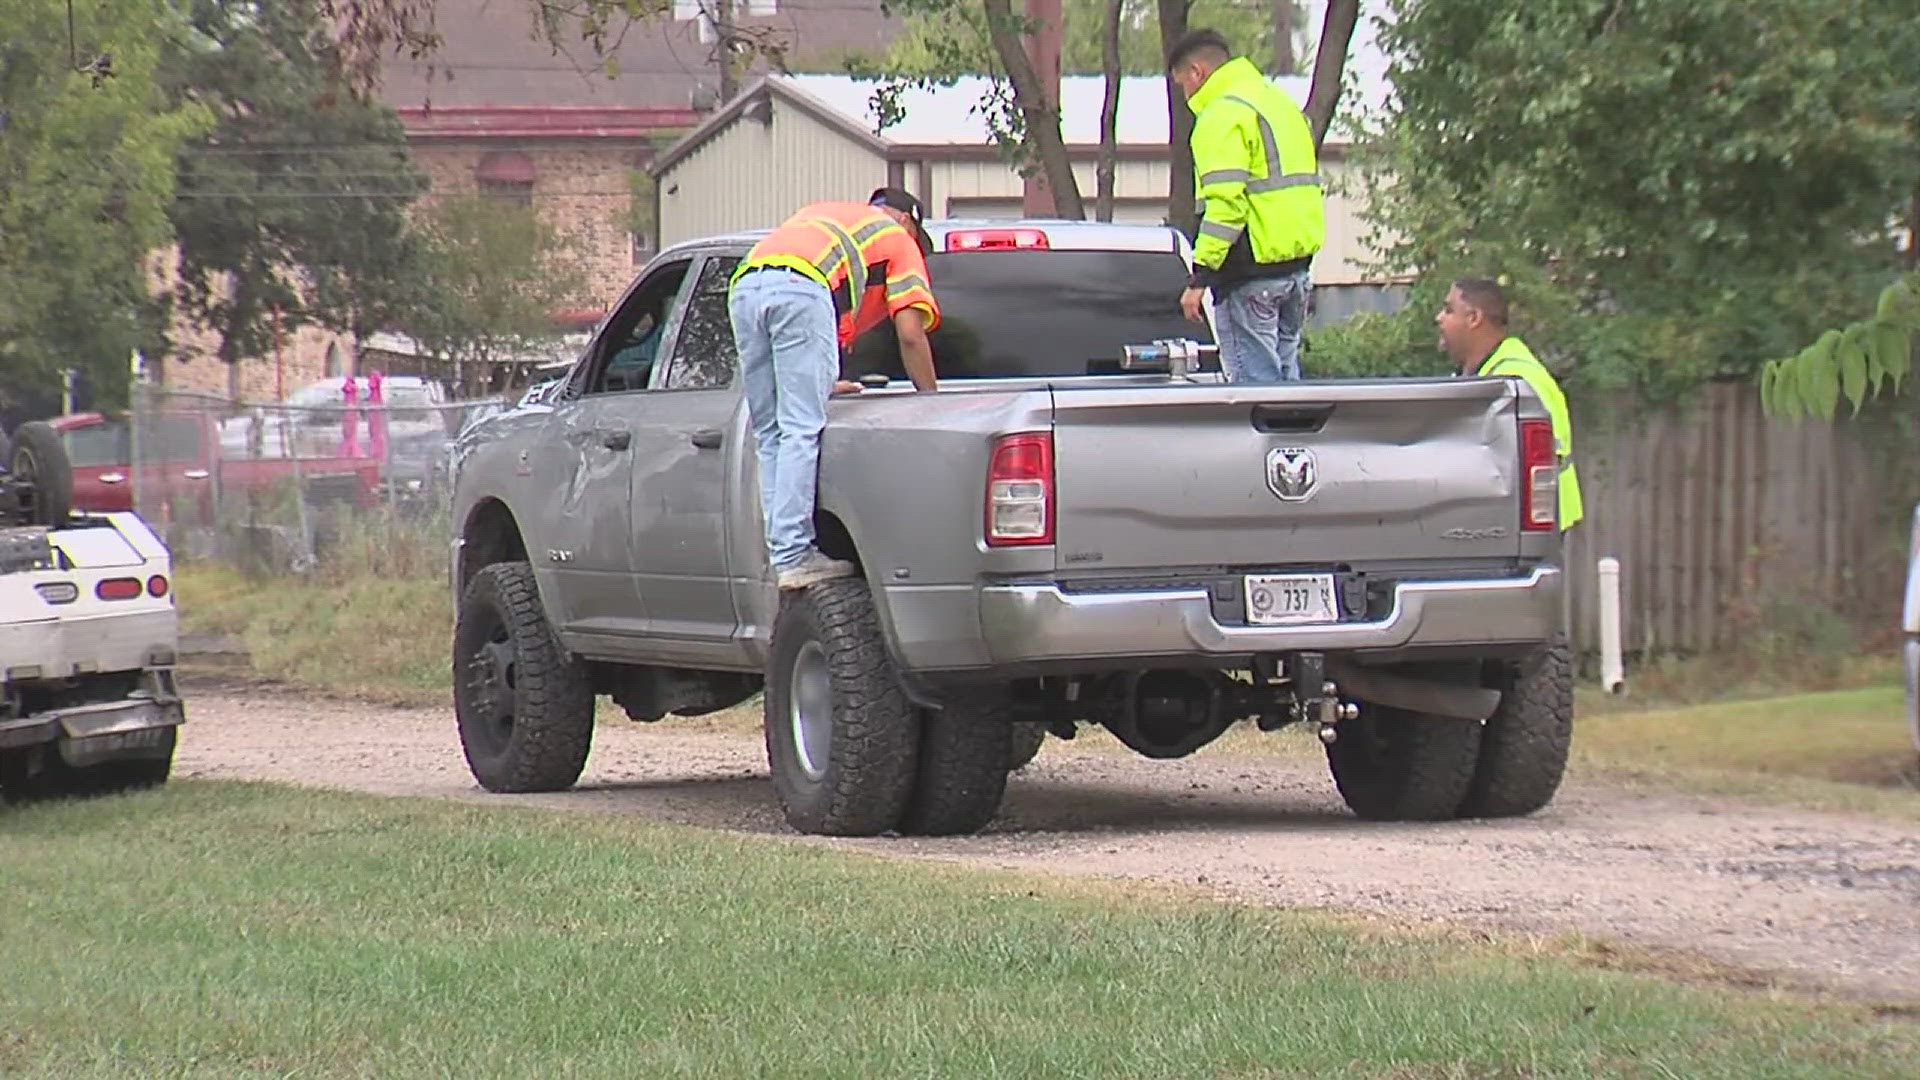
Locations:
(1291, 599)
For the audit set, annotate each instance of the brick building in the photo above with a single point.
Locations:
(496, 110)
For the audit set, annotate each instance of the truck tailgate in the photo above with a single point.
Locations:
(1312, 474)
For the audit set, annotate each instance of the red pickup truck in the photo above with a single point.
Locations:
(183, 470)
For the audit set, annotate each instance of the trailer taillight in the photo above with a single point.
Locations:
(1020, 491)
(118, 588)
(1539, 477)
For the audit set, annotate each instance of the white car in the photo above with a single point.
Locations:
(88, 636)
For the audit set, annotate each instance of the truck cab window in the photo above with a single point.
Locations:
(632, 341)
(703, 354)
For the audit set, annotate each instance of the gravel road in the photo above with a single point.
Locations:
(1799, 897)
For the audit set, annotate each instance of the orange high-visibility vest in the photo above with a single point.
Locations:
(856, 251)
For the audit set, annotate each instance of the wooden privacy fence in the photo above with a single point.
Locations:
(1715, 510)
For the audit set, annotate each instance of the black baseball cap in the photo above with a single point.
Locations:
(902, 200)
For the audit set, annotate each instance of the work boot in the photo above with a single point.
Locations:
(812, 569)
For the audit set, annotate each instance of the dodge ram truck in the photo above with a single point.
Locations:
(1085, 526)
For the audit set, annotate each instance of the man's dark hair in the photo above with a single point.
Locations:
(1487, 297)
(1199, 45)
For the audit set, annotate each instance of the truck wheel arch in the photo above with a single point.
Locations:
(491, 535)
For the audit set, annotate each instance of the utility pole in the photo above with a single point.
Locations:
(1043, 48)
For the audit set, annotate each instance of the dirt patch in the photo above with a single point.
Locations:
(1794, 897)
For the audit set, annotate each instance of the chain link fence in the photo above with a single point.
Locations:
(276, 487)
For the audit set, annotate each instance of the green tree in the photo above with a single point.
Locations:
(496, 274)
(296, 202)
(87, 141)
(1677, 190)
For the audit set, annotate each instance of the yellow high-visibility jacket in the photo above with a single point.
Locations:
(1257, 178)
(1512, 358)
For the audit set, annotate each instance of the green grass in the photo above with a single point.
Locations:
(355, 633)
(224, 929)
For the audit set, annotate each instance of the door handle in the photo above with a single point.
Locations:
(707, 439)
(616, 440)
(113, 478)
(195, 474)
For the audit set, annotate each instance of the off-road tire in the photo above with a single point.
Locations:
(1523, 749)
(964, 750)
(871, 753)
(1024, 746)
(524, 704)
(39, 455)
(1395, 765)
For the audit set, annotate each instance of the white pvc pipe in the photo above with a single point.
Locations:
(1612, 671)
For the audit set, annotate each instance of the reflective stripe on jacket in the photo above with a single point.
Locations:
(1512, 359)
(1256, 174)
(871, 264)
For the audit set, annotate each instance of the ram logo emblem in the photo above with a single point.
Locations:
(1292, 473)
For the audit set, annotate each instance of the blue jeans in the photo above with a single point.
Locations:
(1258, 327)
(785, 330)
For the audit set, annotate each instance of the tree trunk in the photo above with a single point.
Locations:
(1329, 63)
(1180, 210)
(1109, 113)
(1285, 16)
(1041, 116)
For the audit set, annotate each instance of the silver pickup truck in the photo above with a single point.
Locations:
(1084, 526)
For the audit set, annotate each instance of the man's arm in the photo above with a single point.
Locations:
(916, 352)
(1221, 161)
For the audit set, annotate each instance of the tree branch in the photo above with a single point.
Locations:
(1041, 116)
(1329, 63)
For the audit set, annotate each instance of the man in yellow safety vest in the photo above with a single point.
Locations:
(1257, 177)
(1473, 332)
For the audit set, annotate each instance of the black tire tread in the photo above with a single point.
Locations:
(876, 729)
(1024, 745)
(1423, 774)
(553, 697)
(53, 471)
(1523, 751)
(964, 750)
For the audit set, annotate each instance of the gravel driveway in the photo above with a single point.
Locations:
(1804, 897)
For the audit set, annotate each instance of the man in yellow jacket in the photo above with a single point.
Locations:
(1263, 215)
(1473, 332)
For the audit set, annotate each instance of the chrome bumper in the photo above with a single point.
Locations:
(1040, 623)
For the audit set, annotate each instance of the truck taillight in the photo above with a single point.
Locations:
(989, 239)
(1020, 491)
(1539, 477)
(118, 588)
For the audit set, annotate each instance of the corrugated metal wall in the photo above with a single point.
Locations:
(1716, 508)
(752, 175)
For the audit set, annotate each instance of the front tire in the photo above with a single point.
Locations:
(1523, 752)
(1395, 765)
(524, 705)
(842, 738)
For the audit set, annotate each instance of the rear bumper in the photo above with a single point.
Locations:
(127, 730)
(1041, 627)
